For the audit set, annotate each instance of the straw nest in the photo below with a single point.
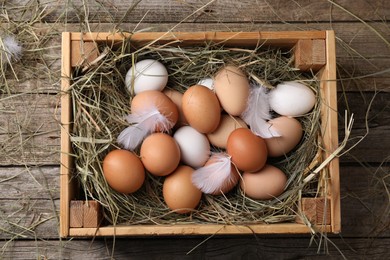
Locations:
(100, 102)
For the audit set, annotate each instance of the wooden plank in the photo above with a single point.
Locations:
(66, 191)
(29, 129)
(248, 247)
(364, 201)
(329, 128)
(376, 142)
(29, 218)
(31, 182)
(226, 11)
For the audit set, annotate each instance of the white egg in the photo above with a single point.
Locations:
(146, 75)
(207, 82)
(194, 146)
(291, 99)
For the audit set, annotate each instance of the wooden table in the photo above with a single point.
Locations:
(30, 132)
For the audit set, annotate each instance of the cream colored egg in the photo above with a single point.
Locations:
(232, 89)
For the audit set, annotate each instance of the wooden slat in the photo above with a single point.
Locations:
(31, 182)
(248, 247)
(28, 218)
(175, 230)
(66, 193)
(29, 131)
(280, 38)
(225, 11)
(330, 133)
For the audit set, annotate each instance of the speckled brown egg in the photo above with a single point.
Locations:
(248, 151)
(123, 171)
(179, 193)
(265, 184)
(160, 154)
(291, 133)
(152, 99)
(201, 108)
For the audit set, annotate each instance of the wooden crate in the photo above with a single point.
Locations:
(313, 50)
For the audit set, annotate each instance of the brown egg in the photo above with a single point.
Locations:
(146, 100)
(179, 192)
(248, 151)
(160, 154)
(265, 184)
(228, 186)
(226, 125)
(201, 108)
(232, 89)
(291, 133)
(176, 98)
(123, 171)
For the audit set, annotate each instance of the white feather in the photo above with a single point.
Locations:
(142, 125)
(257, 113)
(10, 49)
(214, 176)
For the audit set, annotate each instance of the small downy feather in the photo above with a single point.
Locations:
(214, 176)
(141, 125)
(257, 113)
(10, 49)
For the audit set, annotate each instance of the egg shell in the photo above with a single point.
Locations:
(226, 126)
(152, 98)
(194, 146)
(146, 75)
(207, 82)
(228, 186)
(178, 191)
(232, 89)
(291, 133)
(265, 184)
(123, 171)
(248, 151)
(292, 99)
(201, 108)
(160, 154)
(176, 98)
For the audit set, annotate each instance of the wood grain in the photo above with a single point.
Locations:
(26, 190)
(247, 247)
(222, 11)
